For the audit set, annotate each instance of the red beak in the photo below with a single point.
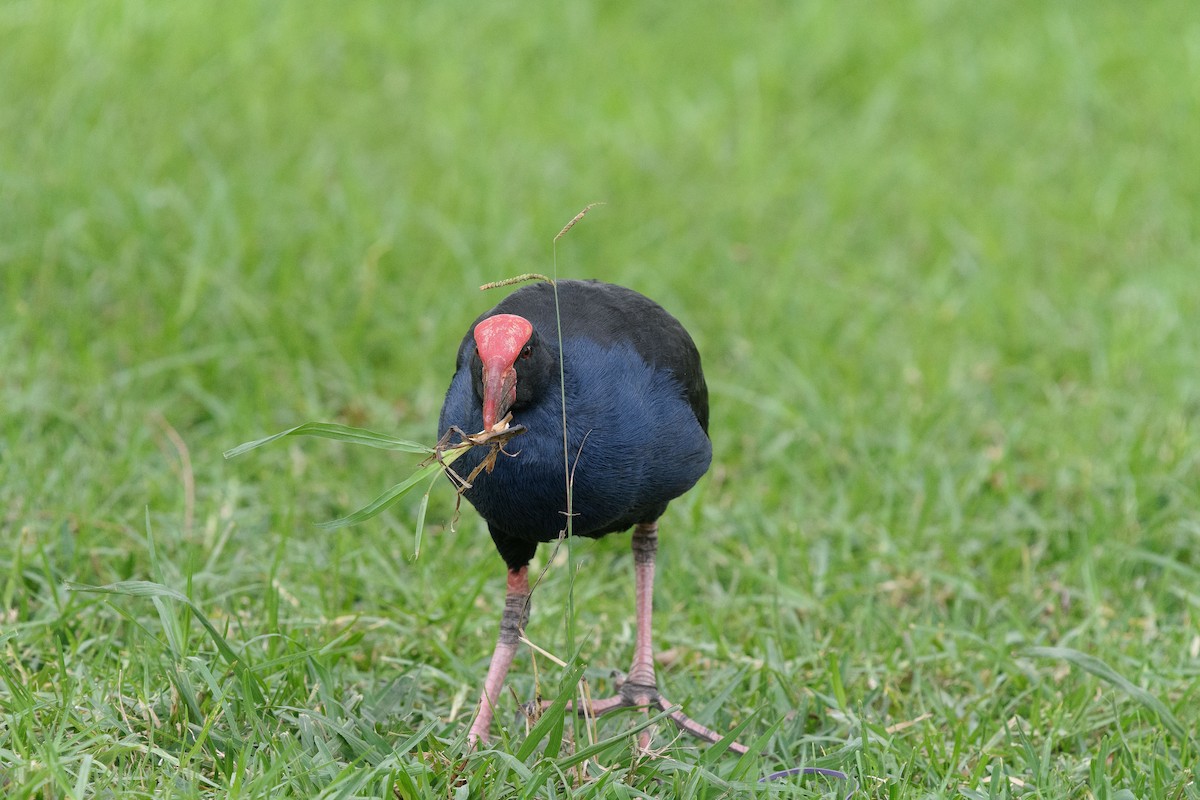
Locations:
(499, 390)
(499, 340)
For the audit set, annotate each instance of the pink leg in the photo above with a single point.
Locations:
(516, 614)
(645, 546)
(643, 686)
(640, 689)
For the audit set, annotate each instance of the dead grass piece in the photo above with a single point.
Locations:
(576, 219)
(527, 276)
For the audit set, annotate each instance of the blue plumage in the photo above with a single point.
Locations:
(635, 440)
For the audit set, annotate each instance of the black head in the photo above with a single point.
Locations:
(511, 366)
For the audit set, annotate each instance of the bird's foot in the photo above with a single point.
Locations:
(645, 695)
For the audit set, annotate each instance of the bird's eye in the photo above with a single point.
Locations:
(526, 352)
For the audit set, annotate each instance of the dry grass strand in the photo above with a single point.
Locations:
(528, 276)
(576, 219)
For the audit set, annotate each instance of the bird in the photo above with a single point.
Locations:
(636, 437)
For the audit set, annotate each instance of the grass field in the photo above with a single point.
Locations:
(943, 264)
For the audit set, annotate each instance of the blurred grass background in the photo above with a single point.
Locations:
(940, 259)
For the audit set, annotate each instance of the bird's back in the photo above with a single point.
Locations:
(608, 314)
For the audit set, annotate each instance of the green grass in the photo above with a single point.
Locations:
(941, 262)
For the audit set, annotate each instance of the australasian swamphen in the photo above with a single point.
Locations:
(637, 437)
